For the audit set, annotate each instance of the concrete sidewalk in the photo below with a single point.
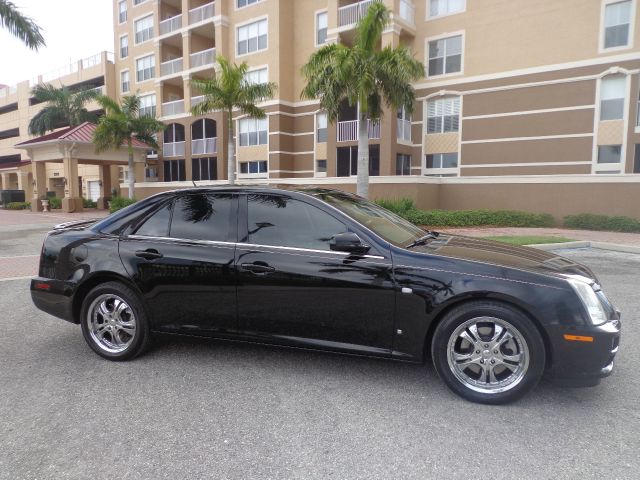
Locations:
(27, 217)
(619, 238)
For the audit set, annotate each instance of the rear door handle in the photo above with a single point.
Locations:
(258, 268)
(149, 254)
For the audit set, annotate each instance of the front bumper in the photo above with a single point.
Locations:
(583, 363)
(54, 297)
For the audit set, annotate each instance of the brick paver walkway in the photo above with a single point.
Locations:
(619, 238)
(18, 267)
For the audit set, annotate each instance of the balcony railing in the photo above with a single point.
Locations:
(348, 131)
(404, 130)
(200, 14)
(200, 146)
(171, 25)
(407, 11)
(6, 91)
(171, 67)
(175, 149)
(200, 59)
(172, 108)
(351, 14)
(196, 100)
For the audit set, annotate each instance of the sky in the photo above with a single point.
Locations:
(72, 29)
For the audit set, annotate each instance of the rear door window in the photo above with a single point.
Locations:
(203, 216)
(157, 225)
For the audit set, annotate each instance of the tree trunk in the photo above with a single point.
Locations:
(231, 146)
(363, 157)
(131, 177)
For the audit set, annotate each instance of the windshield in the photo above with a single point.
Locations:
(386, 224)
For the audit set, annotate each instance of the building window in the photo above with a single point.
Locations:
(445, 56)
(174, 171)
(246, 3)
(145, 68)
(253, 131)
(124, 46)
(256, 77)
(138, 2)
(150, 173)
(443, 115)
(144, 29)
(321, 27)
(205, 168)
(612, 97)
(403, 125)
(442, 160)
(254, 167)
(347, 161)
(617, 24)
(609, 153)
(252, 37)
(321, 166)
(439, 8)
(636, 159)
(122, 12)
(147, 105)
(638, 112)
(403, 164)
(321, 127)
(124, 81)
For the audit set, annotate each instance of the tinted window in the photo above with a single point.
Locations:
(203, 217)
(281, 221)
(157, 225)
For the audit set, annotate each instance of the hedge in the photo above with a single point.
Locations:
(590, 221)
(466, 218)
(120, 202)
(55, 203)
(88, 203)
(18, 206)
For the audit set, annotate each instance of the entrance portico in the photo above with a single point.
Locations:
(73, 146)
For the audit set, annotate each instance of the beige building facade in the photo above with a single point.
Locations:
(523, 105)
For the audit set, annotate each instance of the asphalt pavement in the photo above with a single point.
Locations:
(195, 409)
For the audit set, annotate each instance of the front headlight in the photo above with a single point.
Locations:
(584, 289)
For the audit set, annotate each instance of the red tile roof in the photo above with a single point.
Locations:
(83, 133)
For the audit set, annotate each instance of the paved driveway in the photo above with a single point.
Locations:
(209, 409)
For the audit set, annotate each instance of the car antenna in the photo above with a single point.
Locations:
(194, 183)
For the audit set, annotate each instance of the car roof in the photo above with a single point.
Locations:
(305, 190)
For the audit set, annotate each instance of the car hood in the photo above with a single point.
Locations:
(503, 255)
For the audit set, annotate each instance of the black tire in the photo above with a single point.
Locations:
(449, 346)
(136, 343)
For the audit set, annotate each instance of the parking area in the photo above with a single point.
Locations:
(210, 409)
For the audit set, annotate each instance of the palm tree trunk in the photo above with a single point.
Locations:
(363, 157)
(131, 177)
(231, 175)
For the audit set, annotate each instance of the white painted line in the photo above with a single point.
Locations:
(15, 278)
(19, 256)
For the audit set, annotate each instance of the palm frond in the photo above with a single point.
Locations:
(20, 26)
(109, 105)
(46, 120)
(370, 27)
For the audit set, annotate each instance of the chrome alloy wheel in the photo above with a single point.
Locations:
(111, 322)
(488, 355)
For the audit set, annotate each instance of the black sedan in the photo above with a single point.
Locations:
(328, 270)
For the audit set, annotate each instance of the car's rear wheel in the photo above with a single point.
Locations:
(488, 352)
(114, 322)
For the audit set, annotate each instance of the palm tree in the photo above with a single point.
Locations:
(363, 75)
(20, 26)
(65, 107)
(229, 90)
(121, 124)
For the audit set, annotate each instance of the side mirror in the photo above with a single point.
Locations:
(348, 242)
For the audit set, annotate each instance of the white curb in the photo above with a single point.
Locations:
(615, 247)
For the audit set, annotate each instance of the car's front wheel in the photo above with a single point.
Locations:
(488, 352)
(114, 322)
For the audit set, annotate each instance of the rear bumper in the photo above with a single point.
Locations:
(54, 297)
(581, 362)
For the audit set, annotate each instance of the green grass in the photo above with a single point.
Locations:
(528, 239)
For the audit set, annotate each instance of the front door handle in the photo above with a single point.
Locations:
(258, 268)
(149, 254)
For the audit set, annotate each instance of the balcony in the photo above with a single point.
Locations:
(170, 25)
(196, 100)
(201, 146)
(349, 15)
(203, 58)
(172, 108)
(171, 67)
(404, 130)
(200, 14)
(348, 131)
(175, 149)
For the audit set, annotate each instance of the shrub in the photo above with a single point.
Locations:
(120, 202)
(55, 203)
(18, 205)
(466, 218)
(590, 221)
(88, 203)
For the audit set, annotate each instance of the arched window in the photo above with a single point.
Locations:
(173, 140)
(203, 136)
